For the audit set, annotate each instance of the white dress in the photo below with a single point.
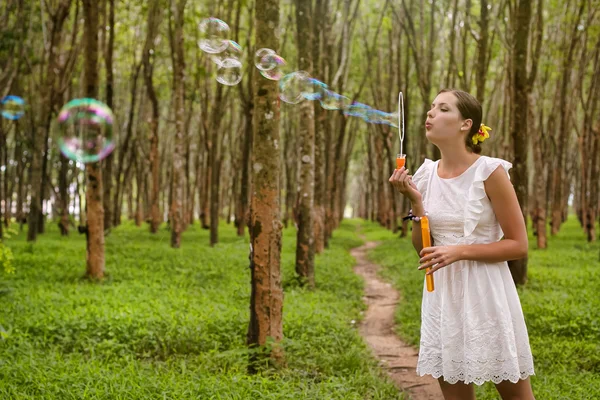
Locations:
(472, 325)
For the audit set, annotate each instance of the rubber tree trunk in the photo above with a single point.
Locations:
(305, 243)
(177, 46)
(266, 301)
(519, 127)
(94, 192)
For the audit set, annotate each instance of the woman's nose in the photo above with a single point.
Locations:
(430, 114)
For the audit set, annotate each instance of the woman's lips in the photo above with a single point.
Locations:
(428, 126)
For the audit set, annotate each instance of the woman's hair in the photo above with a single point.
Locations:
(469, 108)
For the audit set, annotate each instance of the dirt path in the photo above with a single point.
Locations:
(398, 358)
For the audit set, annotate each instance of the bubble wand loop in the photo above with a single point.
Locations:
(401, 158)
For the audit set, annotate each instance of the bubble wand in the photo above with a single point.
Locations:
(400, 162)
(401, 157)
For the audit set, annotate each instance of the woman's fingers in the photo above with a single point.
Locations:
(427, 257)
(401, 180)
(435, 268)
(430, 264)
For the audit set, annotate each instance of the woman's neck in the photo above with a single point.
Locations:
(455, 161)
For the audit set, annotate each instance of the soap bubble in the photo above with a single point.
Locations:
(314, 89)
(262, 62)
(233, 51)
(381, 117)
(334, 101)
(359, 110)
(13, 107)
(86, 130)
(230, 72)
(293, 86)
(275, 73)
(213, 35)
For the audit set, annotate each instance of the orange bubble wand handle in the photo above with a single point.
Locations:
(400, 161)
(426, 236)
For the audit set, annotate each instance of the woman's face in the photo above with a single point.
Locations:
(445, 123)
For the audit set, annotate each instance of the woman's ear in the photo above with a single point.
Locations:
(466, 125)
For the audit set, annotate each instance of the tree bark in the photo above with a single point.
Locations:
(305, 245)
(40, 136)
(177, 49)
(319, 17)
(94, 192)
(122, 170)
(519, 126)
(147, 57)
(109, 161)
(266, 304)
(63, 188)
(564, 128)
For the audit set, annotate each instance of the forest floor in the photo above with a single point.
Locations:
(171, 323)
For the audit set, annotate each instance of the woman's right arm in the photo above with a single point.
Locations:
(404, 184)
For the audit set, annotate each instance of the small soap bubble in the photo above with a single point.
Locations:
(260, 60)
(213, 35)
(293, 86)
(86, 133)
(13, 107)
(275, 73)
(230, 72)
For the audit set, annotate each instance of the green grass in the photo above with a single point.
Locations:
(561, 303)
(171, 324)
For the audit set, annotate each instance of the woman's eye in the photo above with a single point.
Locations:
(444, 109)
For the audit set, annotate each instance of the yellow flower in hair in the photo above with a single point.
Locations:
(482, 134)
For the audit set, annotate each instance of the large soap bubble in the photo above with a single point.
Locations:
(86, 130)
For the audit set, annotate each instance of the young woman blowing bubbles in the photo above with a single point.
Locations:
(472, 325)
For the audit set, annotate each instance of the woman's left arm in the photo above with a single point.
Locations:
(508, 212)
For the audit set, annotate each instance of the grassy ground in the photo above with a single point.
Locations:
(171, 324)
(560, 302)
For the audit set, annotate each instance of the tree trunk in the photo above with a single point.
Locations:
(94, 192)
(109, 161)
(214, 161)
(519, 127)
(242, 215)
(147, 57)
(564, 130)
(290, 152)
(482, 51)
(305, 245)
(63, 188)
(319, 17)
(121, 177)
(266, 304)
(177, 49)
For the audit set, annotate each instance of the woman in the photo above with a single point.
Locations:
(472, 325)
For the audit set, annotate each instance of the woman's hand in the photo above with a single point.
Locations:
(439, 257)
(404, 184)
